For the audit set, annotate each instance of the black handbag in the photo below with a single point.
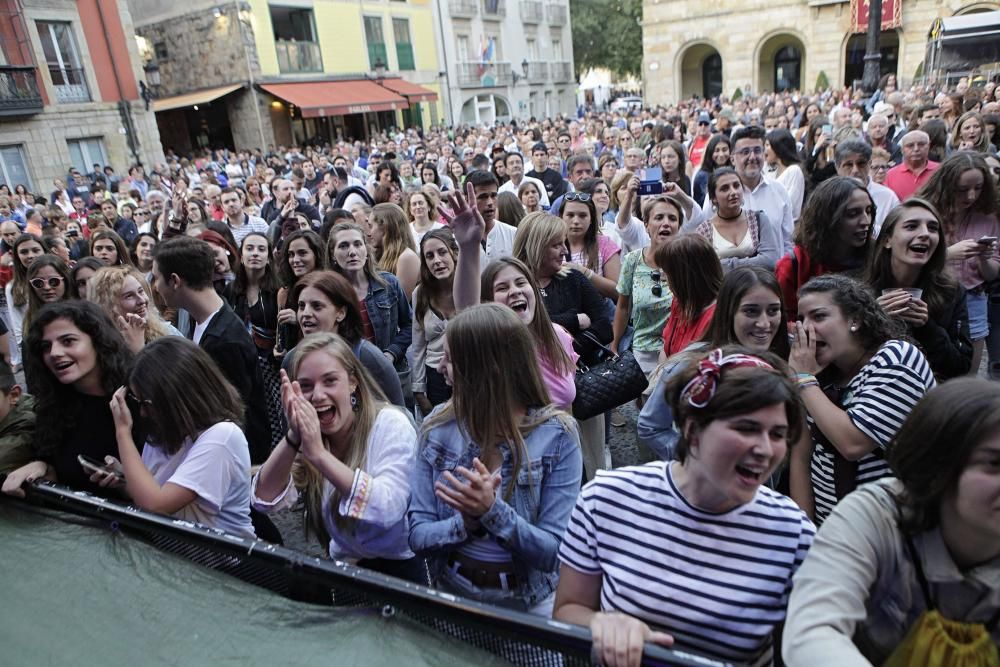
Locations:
(613, 381)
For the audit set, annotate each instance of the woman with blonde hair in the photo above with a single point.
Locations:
(969, 134)
(499, 468)
(392, 244)
(349, 453)
(124, 295)
(423, 218)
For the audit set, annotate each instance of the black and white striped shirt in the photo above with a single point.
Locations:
(718, 583)
(878, 399)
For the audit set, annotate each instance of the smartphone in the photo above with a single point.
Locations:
(987, 240)
(650, 181)
(828, 129)
(93, 466)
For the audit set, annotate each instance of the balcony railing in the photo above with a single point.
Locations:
(532, 11)
(19, 94)
(538, 72)
(464, 7)
(70, 84)
(295, 56)
(494, 10)
(557, 14)
(562, 72)
(484, 75)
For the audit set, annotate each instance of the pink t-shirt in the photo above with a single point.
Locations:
(561, 386)
(606, 249)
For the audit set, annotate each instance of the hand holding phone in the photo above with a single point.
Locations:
(986, 240)
(93, 466)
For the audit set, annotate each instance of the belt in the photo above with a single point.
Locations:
(493, 575)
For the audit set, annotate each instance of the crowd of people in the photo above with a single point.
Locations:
(388, 333)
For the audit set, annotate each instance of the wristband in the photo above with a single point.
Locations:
(291, 443)
(804, 380)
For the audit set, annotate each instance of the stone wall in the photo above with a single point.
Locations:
(243, 120)
(202, 50)
(746, 33)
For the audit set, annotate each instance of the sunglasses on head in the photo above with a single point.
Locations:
(577, 196)
(39, 283)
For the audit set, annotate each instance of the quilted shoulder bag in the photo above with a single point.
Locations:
(613, 381)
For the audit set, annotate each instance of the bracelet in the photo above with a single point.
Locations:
(291, 443)
(804, 380)
(590, 274)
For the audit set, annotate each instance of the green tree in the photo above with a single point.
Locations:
(607, 33)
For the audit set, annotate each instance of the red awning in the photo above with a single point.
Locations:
(410, 91)
(336, 98)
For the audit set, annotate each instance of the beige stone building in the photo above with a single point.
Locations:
(708, 47)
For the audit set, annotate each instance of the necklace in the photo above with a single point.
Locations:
(735, 217)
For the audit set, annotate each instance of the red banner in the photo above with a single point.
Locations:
(892, 15)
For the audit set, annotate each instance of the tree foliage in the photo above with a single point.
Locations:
(608, 34)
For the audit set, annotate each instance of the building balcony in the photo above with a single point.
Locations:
(538, 71)
(494, 10)
(532, 11)
(562, 72)
(463, 7)
(70, 84)
(19, 93)
(558, 15)
(296, 57)
(484, 75)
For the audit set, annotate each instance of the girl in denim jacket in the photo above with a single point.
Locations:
(498, 469)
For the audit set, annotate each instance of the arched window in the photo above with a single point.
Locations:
(711, 76)
(787, 69)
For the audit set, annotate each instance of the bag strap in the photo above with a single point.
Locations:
(591, 337)
(919, 570)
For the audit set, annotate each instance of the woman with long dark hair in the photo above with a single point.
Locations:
(694, 276)
(75, 359)
(907, 268)
(782, 157)
(832, 236)
(433, 307)
(717, 154)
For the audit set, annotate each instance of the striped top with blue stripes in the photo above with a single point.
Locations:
(718, 583)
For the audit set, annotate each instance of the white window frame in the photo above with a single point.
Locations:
(88, 159)
(5, 171)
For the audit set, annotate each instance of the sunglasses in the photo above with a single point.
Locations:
(577, 196)
(136, 400)
(703, 122)
(657, 288)
(40, 283)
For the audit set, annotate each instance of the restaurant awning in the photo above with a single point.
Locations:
(190, 99)
(336, 98)
(411, 91)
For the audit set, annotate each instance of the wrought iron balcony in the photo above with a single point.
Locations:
(494, 10)
(557, 14)
(19, 93)
(532, 11)
(295, 56)
(464, 7)
(484, 75)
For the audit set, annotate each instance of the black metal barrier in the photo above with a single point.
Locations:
(520, 638)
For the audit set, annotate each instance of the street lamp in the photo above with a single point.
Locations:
(524, 69)
(149, 88)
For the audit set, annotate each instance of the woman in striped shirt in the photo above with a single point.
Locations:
(696, 552)
(859, 381)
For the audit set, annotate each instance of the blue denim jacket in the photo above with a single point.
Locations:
(530, 524)
(391, 317)
(655, 427)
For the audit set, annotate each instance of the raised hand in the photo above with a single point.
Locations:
(465, 220)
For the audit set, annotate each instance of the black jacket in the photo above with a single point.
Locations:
(945, 340)
(229, 344)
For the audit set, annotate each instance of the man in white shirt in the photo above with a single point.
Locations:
(761, 193)
(852, 158)
(498, 237)
(515, 173)
(241, 224)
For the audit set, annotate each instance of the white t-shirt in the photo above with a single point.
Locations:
(717, 582)
(499, 243)
(216, 466)
(199, 327)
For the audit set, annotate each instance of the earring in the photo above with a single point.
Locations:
(854, 327)
(354, 401)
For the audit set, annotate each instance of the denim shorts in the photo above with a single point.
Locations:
(979, 324)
